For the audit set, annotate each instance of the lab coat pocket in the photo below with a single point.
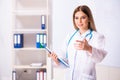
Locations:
(87, 77)
(88, 71)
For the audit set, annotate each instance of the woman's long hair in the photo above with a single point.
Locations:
(88, 12)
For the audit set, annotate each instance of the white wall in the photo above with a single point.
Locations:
(107, 20)
(5, 42)
(106, 16)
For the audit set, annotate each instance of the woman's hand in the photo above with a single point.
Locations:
(83, 45)
(54, 57)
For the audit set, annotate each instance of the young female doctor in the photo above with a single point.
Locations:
(83, 48)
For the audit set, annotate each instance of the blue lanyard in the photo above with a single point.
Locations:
(90, 33)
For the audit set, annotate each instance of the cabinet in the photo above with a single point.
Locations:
(30, 18)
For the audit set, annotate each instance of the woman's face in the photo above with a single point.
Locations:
(81, 20)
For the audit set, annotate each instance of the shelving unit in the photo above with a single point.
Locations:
(27, 21)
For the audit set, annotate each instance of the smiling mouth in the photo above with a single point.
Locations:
(80, 25)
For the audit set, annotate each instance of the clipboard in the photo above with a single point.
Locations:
(64, 62)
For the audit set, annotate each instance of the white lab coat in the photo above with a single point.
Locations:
(82, 63)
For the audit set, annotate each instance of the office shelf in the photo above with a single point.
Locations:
(26, 24)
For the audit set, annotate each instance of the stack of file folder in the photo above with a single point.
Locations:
(41, 39)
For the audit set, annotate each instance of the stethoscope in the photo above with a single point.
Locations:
(90, 36)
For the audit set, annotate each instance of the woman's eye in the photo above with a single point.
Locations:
(83, 17)
(76, 17)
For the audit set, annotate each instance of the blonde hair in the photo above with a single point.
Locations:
(88, 12)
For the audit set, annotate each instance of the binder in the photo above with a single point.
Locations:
(45, 75)
(41, 39)
(37, 75)
(18, 40)
(41, 75)
(43, 26)
(15, 40)
(14, 75)
(44, 39)
(38, 40)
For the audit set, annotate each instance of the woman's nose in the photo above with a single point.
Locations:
(80, 20)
